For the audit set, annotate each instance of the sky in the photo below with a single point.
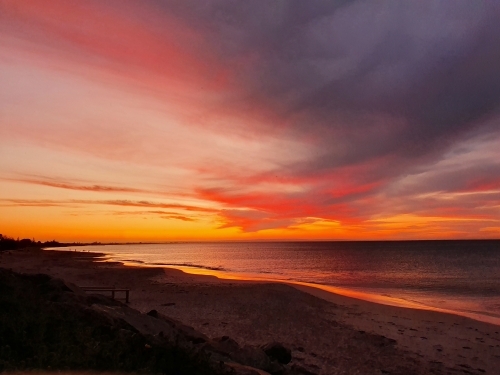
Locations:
(235, 120)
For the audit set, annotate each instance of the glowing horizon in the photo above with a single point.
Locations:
(165, 121)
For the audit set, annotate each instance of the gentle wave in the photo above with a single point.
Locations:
(188, 265)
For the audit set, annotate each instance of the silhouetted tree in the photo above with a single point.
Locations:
(7, 243)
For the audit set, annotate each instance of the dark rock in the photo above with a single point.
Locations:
(153, 313)
(278, 352)
(252, 356)
(226, 345)
(247, 355)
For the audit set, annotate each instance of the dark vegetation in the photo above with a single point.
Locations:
(46, 325)
(8, 243)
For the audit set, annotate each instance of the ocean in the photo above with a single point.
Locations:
(461, 277)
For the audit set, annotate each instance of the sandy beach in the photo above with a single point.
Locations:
(328, 333)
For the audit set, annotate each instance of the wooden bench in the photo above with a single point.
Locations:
(113, 290)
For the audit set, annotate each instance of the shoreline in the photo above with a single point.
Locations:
(309, 287)
(313, 288)
(326, 331)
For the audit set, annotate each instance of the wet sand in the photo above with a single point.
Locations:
(328, 333)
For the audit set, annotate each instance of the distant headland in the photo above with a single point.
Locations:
(8, 243)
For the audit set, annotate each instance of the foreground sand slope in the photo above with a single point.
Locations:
(329, 334)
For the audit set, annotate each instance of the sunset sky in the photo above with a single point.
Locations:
(241, 120)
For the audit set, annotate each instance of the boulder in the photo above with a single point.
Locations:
(248, 355)
(225, 345)
(252, 356)
(277, 351)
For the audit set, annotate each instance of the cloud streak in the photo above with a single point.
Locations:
(122, 203)
(73, 186)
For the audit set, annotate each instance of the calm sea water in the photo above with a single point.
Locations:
(462, 276)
